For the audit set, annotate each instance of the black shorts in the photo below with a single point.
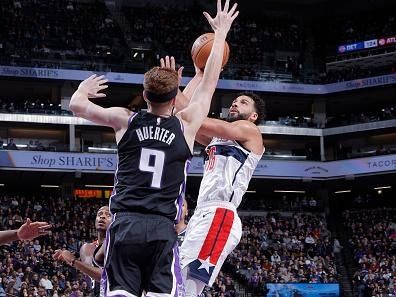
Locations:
(142, 254)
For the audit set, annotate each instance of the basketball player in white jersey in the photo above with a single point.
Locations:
(234, 148)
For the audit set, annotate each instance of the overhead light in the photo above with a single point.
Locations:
(384, 187)
(49, 186)
(289, 191)
(2, 185)
(135, 54)
(21, 145)
(343, 191)
(251, 191)
(101, 149)
(98, 186)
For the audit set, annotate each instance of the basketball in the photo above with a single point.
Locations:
(201, 49)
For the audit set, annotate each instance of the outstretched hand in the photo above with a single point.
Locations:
(29, 230)
(93, 85)
(169, 62)
(222, 22)
(64, 256)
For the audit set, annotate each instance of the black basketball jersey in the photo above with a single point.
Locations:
(153, 159)
(96, 284)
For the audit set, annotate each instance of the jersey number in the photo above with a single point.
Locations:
(156, 167)
(211, 158)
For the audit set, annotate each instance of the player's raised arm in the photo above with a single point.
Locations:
(182, 98)
(198, 108)
(81, 106)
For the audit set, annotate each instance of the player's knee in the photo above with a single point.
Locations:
(193, 287)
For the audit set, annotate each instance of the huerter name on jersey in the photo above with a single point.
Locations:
(157, 133)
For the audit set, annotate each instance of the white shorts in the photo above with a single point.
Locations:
(213, 232)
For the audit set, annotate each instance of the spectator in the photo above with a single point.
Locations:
(370, 232)
(11, 145)
(312, 203)
(46, 283)
(275, 258)
(337, 246)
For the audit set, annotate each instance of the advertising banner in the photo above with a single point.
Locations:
(373, 43)
(237, 85)
(303, 290)
(387, 41)
(55, 160)
(266, 168)
(346, 48)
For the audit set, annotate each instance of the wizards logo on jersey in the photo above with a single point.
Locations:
(213, 246)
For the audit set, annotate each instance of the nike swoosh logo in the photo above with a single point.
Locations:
(204, 215)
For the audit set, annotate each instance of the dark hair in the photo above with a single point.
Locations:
(259, 105)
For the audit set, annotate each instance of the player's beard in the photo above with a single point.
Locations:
(239, 116)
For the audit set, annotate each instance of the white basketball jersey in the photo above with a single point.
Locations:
(227, 173)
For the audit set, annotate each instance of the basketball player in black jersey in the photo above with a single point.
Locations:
(154, 149)
(86, 263)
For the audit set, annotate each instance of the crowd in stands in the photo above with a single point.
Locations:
(27, 268)
(273, 249)
(348, 29)
(37, 30)
(45, 41)
(224, 286)
(32, 145)
(372, 234)
(249, 37)
(34, 35)
(31, 106)
(280, 249)
(379, 114)
(383, 113)
(356, 72)
(304, 202)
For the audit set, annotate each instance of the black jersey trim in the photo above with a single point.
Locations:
(242, 146)
(233, 181)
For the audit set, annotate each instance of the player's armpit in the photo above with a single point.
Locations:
(202, 138)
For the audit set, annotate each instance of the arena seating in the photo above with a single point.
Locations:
(24, 264)
(372, 234)
(280, 249)
(49, 33)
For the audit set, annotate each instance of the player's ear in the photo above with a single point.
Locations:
(253, 117)
(144, 96)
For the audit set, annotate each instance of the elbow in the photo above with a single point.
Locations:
(78, 102)
(73, 108)
(75, 105)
